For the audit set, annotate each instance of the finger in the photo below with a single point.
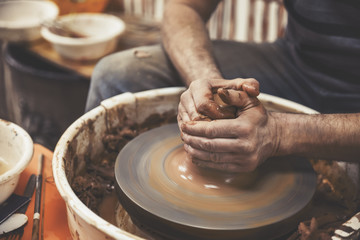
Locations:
(252, 89)
(180, 122)
(188, 109)
(216, 157)
(250, 85)
(212, 109)
(215, 109)
(205, 103)
(237, 98)
(183, 115)
(224, 128)
(212, 145)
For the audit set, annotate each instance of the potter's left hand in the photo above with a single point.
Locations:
(232, 145)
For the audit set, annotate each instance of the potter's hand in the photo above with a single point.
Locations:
(233, 145)
(198, 103)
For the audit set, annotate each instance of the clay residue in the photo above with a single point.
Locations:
(335, 201)
(180, 169)
(97, 180)
(118, 138)
(115, 139)
(195, 185)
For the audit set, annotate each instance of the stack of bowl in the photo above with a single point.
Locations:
(21, 20)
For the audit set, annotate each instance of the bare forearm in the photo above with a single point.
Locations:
(325, 136)
(186, 40)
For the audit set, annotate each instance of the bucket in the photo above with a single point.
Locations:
(99, 131)
(41, 97)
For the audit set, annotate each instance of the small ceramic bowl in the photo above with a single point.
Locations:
(16, 150)
(84, 36)
(20, 21)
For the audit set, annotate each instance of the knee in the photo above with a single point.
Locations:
(110, 70)
(105, 80)
(113, 75)
(123, 71)
(133, 70)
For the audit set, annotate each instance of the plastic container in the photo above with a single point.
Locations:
(42, 97)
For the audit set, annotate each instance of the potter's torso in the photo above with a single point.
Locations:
(325, 35)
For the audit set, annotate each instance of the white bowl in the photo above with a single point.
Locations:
(101, 31)
(16, 150)
(82, 142)
(21, 20)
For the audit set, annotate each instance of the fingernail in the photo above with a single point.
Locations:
(191, 123)
(249, 86)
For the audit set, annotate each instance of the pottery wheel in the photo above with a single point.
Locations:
(165, 193)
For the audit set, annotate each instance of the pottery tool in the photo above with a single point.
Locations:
(28, 192)
(14, 222)
(11, 205)
(36, 218)
(62, 29)
(18, 204)
(165, 193)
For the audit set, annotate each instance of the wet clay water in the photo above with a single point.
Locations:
(191, 187)
(205, 181)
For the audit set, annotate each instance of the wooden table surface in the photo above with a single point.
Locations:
(54, 225)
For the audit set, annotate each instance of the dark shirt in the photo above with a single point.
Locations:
(325, 37)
